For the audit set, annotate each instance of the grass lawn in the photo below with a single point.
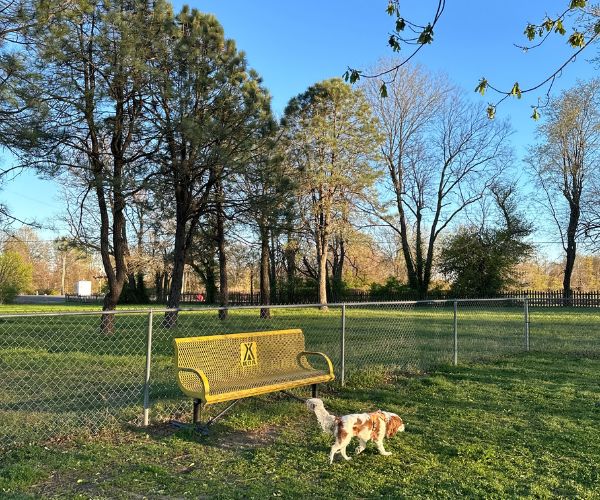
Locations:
(503, 423)
(525, 425)
(59, 373)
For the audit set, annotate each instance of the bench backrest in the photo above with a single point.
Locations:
(242, 356)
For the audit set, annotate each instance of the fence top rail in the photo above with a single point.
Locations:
(82, 313)
(234, 308)
(426, 301)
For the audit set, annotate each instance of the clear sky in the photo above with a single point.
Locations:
(294, 44)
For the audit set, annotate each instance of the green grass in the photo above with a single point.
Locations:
(59, 373)
(503, 423)
(523, 426)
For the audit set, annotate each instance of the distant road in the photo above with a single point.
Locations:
(40, 299)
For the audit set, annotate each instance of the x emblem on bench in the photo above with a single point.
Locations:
(248, 354)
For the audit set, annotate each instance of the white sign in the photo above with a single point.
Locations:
(83, 288)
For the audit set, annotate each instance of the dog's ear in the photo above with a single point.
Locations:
(393, 426)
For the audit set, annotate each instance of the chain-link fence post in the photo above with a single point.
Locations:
(455, 359)
(526, 325)
(343, 347)
(147, 376)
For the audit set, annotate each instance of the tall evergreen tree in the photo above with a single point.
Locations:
(92, 59)
(206, 106)
(331, 140)
(267, 188)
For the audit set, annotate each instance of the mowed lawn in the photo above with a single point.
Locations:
(503, 423)
(523, 426)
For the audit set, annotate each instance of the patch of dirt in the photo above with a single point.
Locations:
(237, 440)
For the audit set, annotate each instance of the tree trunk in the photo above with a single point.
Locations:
(337, 270)
(107, 324)
(210, 283)
(165, 286)
(571, 253)
(115, 275)
(179, 254)
(158, 282)
(322, 278)
(131, 288)
(273, 285)
(62, 277)
(398, 182)
(265, 292)
(223, 284)
(291, 249)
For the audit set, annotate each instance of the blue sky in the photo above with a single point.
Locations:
(294, 44)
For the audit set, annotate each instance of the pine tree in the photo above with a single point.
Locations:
(331, 139)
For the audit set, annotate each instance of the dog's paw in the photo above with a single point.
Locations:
(386, 453)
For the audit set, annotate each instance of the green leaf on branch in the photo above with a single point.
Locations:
(391, 8)
(394, 44)
(481, 88)
(577, 39)
(548, 24)
(426, 35)
(577, 4)
(516, 91)
(530, 31)
(400, 24)
(383, 90)
(559, 27)
(351, 75)
(491, 111)
(536, 114)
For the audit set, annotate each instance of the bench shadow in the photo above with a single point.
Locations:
(261, 418)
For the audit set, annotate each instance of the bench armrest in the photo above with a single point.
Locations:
(199, 373)
(316, 353)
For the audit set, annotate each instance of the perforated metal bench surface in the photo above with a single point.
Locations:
(218, 368)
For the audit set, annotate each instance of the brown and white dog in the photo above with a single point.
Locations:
(365, 426)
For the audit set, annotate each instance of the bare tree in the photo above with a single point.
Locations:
(441, 154)
(566, 163)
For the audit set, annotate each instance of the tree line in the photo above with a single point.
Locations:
(169, 152)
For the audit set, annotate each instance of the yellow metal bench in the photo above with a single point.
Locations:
(220, 368)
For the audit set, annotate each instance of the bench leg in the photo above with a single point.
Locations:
(217, 417)
(315, 391)
(196, 413)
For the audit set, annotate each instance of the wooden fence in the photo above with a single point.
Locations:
(554, 298)
(551, 298)
(85, 299)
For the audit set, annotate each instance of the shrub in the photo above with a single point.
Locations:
(15, 276)
(392, 287)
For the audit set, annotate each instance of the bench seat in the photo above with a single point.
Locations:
(219, 368)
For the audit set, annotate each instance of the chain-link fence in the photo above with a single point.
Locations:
(559, 325)
(62, 373)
